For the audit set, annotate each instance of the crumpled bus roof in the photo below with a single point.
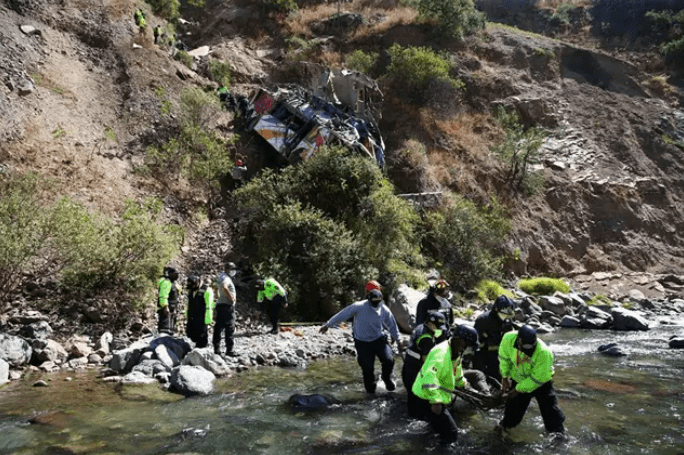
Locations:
(341, 106)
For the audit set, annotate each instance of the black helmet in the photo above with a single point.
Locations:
(170, 273)
(527, 338)
(467, 334)
(438, 319)
(194, 282)
(504, 305)
(230, 266)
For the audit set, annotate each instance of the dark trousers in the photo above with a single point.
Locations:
(443, 424)
(225, 320)
(273, 309)
(198, 333)
(166, 322)
(417, 407)
(548, 406)
(366, 352)
(488, 362)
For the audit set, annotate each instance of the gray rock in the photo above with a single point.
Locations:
(125, 359)
(137, 377)
(49, 367)
(78, 362)
(178, 346)
(529, 307)
(624, 319)
(14, 350)
(612, 350)
(37, 330)
(290, 360)
(78, 348)
(102, 346)
(206, 359)
(49, 351)
(570, 322)
(403, 303)
(595, 318)
(165, 356)
(29, 30)
(40, 383)
(94, 358)
(151, 367)
(4, 372)
(192, 380)
(677, 342)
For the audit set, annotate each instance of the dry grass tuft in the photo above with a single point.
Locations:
(392, 13)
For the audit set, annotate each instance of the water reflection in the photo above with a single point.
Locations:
(624, 405)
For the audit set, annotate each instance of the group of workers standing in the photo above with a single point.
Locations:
(433, 368)
(212, 302)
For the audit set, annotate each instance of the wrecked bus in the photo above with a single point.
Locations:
(339, 108)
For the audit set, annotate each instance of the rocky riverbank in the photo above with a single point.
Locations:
(138, 356)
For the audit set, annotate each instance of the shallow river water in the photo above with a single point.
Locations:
(626, 405)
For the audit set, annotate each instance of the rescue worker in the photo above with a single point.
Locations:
(439, 375)
(167, 301)
(436, 300)
(140, 20)
(491, 326)
(526, 365)
(423, 339)
(372, 284)
(370, 318)
(157, 31)
(225, 309)
(223, 93)
(199, 311)
(276, 298)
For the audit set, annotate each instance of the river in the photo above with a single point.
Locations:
(625, 405)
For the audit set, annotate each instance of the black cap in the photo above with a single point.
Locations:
(438, 319)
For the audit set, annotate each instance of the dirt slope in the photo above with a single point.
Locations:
(613, 195)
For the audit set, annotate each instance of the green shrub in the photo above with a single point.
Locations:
(455, 18)
(488, 291)
(197, 153)
(562, 13)
(520, 151)
(330, 202)
(415, 68)
(220, 72)
(88, 252)
(184, 58)
(464, 239)
(543, 286)
(362, 61)
(599, 299)
(168, 9)
(673, 23)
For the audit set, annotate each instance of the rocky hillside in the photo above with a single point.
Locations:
(83, 94)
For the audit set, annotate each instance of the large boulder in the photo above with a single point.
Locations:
(78, 348)
(14, 350)
(166, 356)
(102, 346)
(49, 351)
(37, 330)
(677, 342)
(595, 318)
(4, 372)
(291, 360)
(403, 303)
(125, 359)
(569, 322)
(151, 367)
(205, 358)
(624, 319)
(192, 380)
(553, 304)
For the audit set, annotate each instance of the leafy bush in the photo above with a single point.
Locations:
(89, 252)
(197, 153)
(674, 30)
(543, 286)
(416, 68)
(168, 9)
(599, 299)
(455, 18)
(520, 150)
(362, 61)
(488, 291)
(184, 58)
(332, 202)
(463, 239)
(220, 72)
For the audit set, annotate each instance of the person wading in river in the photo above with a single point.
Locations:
(441, 373)
(490, 327)
(370, 317)
(423, 339)
(526, 365)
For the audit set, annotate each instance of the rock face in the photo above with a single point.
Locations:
(192, 380)
(14, 350)
(403, 303)
(628, 320)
